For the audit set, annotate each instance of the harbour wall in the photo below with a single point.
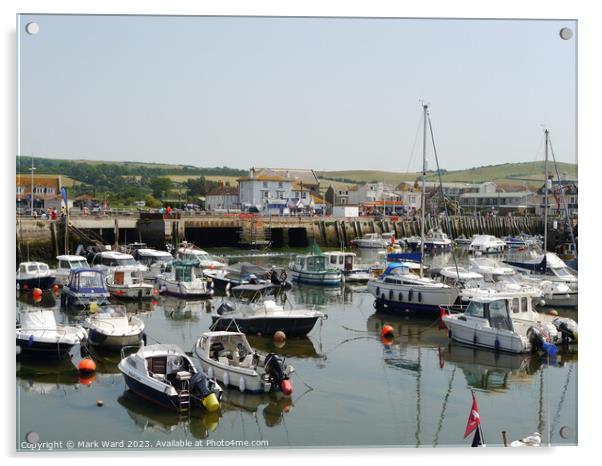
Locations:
(44, 239)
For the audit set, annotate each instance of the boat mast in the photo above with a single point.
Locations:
(545, 214)
(423, 195)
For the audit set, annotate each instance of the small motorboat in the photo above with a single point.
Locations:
(180, 279)
(154, 260)
(110, 327)
(229, 356)
(65, 264)
(38, 334)
(345, 262)
(165, 375)
(127, 283)
(85, 287)
(202, 259)
(245, 273)
(265, 318)
(32, 275)
(487, 244)
(372, 241)
(107, 261)
(437, 241)
(315, 270)
(507, 324)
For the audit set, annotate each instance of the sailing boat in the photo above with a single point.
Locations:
(547, 265)
(400, 290)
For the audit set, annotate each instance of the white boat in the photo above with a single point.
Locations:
(229, 357)
(180, 279)
(110, 327)
(437, 241)
(345, 262)
(372, 241)
(32, 275)
(165, 375)
(472, 284)
(205, 261)
(400, 290)
(508, 324)
(487, 244)
(560, 283)
(154, 260)
(315, 270)
(65, 264)
(38, 334)
(264, 317)
(126, 283)
(108, 261)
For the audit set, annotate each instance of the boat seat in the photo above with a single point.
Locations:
(183, 375)
(223, 360)
(160, 377)
(247, 361)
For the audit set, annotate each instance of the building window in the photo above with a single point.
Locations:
(265, 194)
(19, 189)
(280, 184)
(265, 184)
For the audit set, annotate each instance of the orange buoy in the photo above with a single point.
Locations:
(279, 336)
(553, 312)
(55, 288)
(387, 331)
(286, 386)
(37, 292)
(387, 340)
(87, 365)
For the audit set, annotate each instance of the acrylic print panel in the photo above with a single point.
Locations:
(270, 141)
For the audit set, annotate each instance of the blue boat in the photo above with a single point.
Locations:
(84, 288)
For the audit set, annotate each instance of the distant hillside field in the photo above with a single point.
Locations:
(529, 173)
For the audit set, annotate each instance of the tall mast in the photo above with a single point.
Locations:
(545, 214)
(423, 196)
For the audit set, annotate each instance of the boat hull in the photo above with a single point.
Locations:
(569, 299)
(131, 293)
(51, 350)
(407, 299)
(292, 327)
(317, 278)
(153, 395)
(113, 342)
(485, 337)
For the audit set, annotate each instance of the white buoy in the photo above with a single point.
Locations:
(226, 379)
(241, 384)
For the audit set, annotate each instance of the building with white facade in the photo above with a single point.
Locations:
(222, 198)
(265, 190)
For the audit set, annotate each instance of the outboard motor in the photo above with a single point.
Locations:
(275, 279)
(274, 367)
(539, 339)
(567, 328)
(225, 308)
(204, 388)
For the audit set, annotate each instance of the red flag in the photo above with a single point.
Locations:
(473, 419)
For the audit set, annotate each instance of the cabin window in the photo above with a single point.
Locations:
(341, 259)
(63, 265)
(22, 269)
(32, 268)
(498, 315)
(183, 274)
(524, 304)
(333, 259)
(475, 309)
(515, 305)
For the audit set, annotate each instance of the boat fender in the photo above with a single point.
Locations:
(226, 378)
(390, 295)
(449, 334)
(30, 340)
(419, 297)
(210, 372)
(474, 339)
(378, 290)
(497, 344)
(410, 295)
(144, 338)
(241, 384)
(400, 296)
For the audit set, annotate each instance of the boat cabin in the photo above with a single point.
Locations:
(496, 312)
(313, 263)
(341, 260)
(32, 269)
(70, 262)
(150, 257)
(165, 363)
(87, 279)
(182, 271)
(113, 259)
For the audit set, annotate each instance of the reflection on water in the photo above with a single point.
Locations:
(351, 387)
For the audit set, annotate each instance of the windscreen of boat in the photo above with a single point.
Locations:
(125, 261)
(475, 309)
(78, 264)
(498, 315)
(183, 274)
(562, 272)
(90, 280)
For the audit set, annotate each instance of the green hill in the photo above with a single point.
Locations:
(529, 173)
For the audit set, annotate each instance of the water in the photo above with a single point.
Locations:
(350, 389)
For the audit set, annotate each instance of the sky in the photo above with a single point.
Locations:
(322, 93)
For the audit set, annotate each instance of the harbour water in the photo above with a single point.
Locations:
(349, 388)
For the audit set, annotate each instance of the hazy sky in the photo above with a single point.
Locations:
(298, 92)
